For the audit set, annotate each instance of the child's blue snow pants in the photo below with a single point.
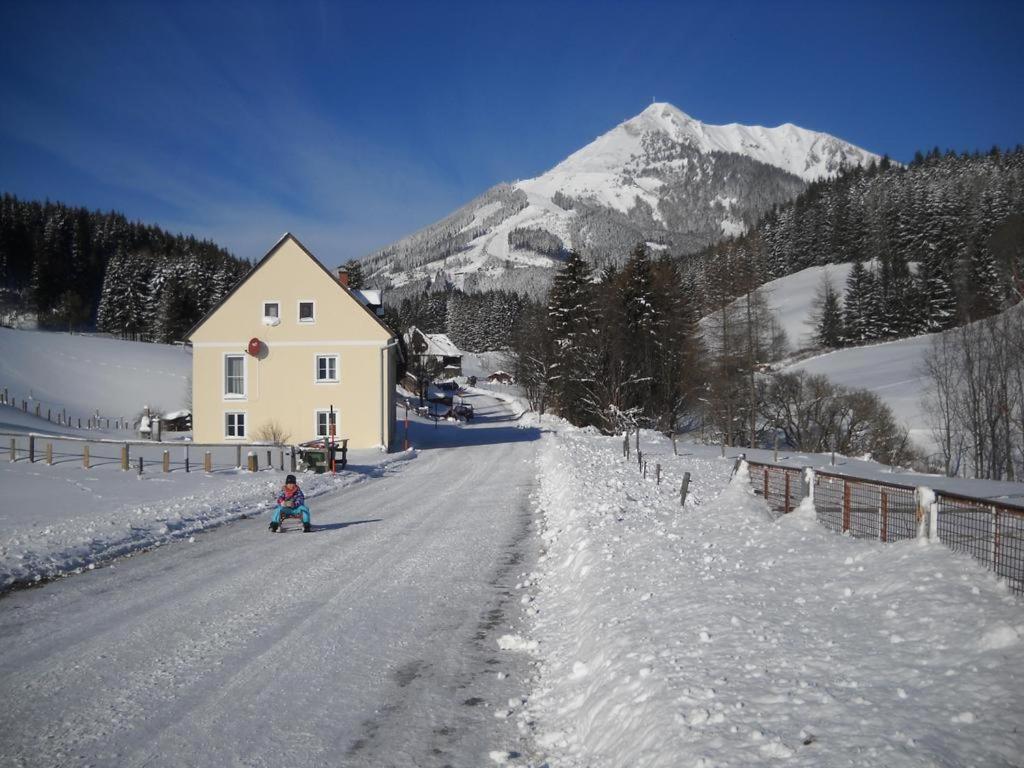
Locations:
(292, 512)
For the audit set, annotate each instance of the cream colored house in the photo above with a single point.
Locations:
(288, 343)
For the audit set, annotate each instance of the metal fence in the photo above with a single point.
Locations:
(990, 531)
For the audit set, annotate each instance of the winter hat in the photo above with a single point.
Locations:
(290, 480)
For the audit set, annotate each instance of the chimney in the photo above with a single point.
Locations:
(343, 276)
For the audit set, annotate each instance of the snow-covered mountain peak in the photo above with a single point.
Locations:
(661, 177)
(808, 154)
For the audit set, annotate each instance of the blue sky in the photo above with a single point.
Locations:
(352, 124)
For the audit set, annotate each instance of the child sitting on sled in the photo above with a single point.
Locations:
(291, 502)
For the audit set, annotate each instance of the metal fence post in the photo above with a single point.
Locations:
(14, 449)
(684, 489)
(846, 505)
(657, 473)
(140, 466)
(883, 527)
(31, 449)
(238, 457)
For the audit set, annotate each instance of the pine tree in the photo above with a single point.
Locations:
(829, 331)
(571, 317)
(856, 323)
(356, 279)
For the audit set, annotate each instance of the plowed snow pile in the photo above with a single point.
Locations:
(716, 636)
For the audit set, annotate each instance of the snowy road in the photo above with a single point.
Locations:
(369, 642)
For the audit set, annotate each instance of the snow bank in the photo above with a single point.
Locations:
(715, 636)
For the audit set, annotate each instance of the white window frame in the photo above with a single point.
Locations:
(245, 377)
(263, 309)
(326, 412)
(245, 425)
(337, 368)
(298, 312)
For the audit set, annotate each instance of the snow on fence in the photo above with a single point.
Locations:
(990, 531)
(140, 455)
(58, 415)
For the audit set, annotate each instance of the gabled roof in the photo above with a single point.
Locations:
(438, 344)
(277, 246)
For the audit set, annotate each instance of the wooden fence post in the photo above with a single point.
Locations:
(124, 457)
(31, 449)
(776, 459)
(684, 489)
(85, 456)
(14, 449)
(187, 468)
(270, 461)
(282, 459)
(167, 461)
(657, 473)
(253, 461)
(208, 462)
(785, 504)
(49, 454)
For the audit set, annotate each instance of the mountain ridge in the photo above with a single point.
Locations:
(661, 177)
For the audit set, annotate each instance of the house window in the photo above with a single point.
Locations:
(234, 425)
(323, 421)
(271, 309)
(307, 312)
(234, 376)
(326, 368)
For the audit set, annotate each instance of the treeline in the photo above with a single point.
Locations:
(934, 244)
(78, 269)
(475, 322)
(613, 352)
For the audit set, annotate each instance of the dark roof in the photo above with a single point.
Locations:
(284, 238)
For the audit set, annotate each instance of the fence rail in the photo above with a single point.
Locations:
(990, 531)
(143, 455)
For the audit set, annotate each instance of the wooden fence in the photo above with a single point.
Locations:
(138, 455)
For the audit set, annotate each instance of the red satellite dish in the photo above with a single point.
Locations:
(254, 347)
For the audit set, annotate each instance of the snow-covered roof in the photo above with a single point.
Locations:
(368, 296)
(438, 344)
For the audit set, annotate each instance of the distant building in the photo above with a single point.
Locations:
(289, 343)
(434, 350)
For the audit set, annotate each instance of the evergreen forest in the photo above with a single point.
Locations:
(76, 269)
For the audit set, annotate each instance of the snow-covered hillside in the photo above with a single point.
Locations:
(89, 374)
(661, 177)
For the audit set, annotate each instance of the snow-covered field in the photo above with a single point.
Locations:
(713, 636)
(90, 374)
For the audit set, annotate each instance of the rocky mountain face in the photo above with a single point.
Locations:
(661, 178)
